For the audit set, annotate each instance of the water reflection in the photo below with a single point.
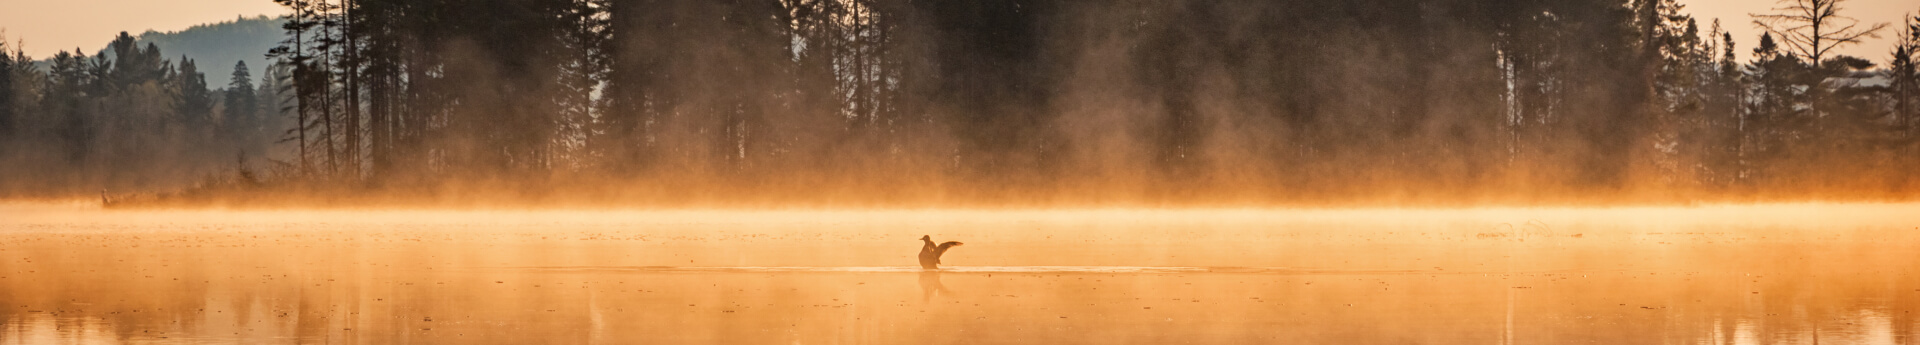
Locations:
(672, 281)
(811, 307)
(930, 285)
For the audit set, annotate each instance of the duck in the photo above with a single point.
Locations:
(930, 253)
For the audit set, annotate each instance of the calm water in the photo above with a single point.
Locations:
(1770, 274)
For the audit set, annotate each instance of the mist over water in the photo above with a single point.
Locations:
(1126, 171)
(1009, 103)
(1745, 274)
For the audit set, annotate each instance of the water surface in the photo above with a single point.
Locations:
(1766, 274)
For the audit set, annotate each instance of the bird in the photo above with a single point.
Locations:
(930, 253)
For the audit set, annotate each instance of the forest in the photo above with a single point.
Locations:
(985, 102)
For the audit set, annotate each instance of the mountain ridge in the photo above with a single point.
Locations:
(215, 47)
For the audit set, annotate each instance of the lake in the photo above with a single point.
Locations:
(1731, 274)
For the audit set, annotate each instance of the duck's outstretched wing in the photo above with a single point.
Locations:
(942, 250)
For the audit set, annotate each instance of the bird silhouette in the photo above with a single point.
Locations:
(930, 253)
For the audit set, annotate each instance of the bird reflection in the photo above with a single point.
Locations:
(930, 286)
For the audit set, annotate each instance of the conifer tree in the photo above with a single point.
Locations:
(240, 124)
(8, 123)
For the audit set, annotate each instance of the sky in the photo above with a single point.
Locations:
(49, 26)
(1733, 15)
(53, 25)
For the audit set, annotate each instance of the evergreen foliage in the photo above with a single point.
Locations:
(1131, 100)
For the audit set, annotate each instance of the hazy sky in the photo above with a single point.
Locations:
(53, 25)
(1733, 16)
(49, 26)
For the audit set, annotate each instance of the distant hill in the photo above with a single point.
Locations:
(215, 47)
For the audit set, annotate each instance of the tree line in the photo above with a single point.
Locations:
(1132, 101)
(128, 118)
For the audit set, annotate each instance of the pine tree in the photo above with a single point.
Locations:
(240, 117)
(67, 88)
(295, 52)
(583, 72)
(23, 92)
(196, 101)
(8, 122)
(1904, 71)
(1781, 85)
